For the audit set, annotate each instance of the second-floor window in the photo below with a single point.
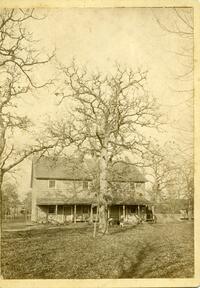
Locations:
(132, 186)
(138, 185)
(85, 184)
(52, 183)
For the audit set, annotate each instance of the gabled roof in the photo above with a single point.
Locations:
(126, 172)
(61, 168)
(75, 169)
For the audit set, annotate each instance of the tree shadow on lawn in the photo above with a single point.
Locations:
(46, 231)
(120, 230)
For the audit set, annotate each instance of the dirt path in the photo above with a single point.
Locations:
(164, 255)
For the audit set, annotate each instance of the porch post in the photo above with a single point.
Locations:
(108, 212)
(124, 211)
(47, 213)
(74, 213)
(62, 213)
(34, 206)
(56, 214)
(138, 210)
(91, 214)
(153, 212)
(145, 213)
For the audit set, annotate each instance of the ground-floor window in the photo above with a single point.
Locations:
(60, 209)
(52, 209)
(85, 209)
(95, 210)
(133, 209)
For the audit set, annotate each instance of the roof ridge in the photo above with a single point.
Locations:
(77, 169)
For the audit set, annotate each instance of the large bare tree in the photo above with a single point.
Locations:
(19, 62)
(110, 115)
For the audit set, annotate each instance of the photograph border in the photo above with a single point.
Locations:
(153, 282)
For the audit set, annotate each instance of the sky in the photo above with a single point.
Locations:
(100, 37)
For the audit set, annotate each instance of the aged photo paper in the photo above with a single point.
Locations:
(99, 143)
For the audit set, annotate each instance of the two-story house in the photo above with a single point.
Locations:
(66, 190)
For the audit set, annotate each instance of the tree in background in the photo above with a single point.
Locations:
(187, 183)
(181, 28)
(27, 204)
(161, 169)
(11, 202)
(170, 172)
(109, 116)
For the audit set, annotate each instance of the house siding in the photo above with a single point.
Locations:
(34, 192)
(64, 189)
(66, 186)
(66, 194)
(119, 188)
(42, 212)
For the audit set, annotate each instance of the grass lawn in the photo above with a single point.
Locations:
(145, 251)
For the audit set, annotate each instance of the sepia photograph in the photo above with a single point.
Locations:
(97, 142)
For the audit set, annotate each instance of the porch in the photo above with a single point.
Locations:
(117, 212)
(66, 213)
(88, 212)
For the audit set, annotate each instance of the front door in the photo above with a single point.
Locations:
(68, 213)
(116, 212)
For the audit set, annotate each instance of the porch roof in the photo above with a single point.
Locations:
(65, 201)
(90, 201)
(129, 200)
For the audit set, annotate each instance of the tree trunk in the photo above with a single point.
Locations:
(1, 196)
(103, 227)
(189, 209)
(1, 205)
(2, 147)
